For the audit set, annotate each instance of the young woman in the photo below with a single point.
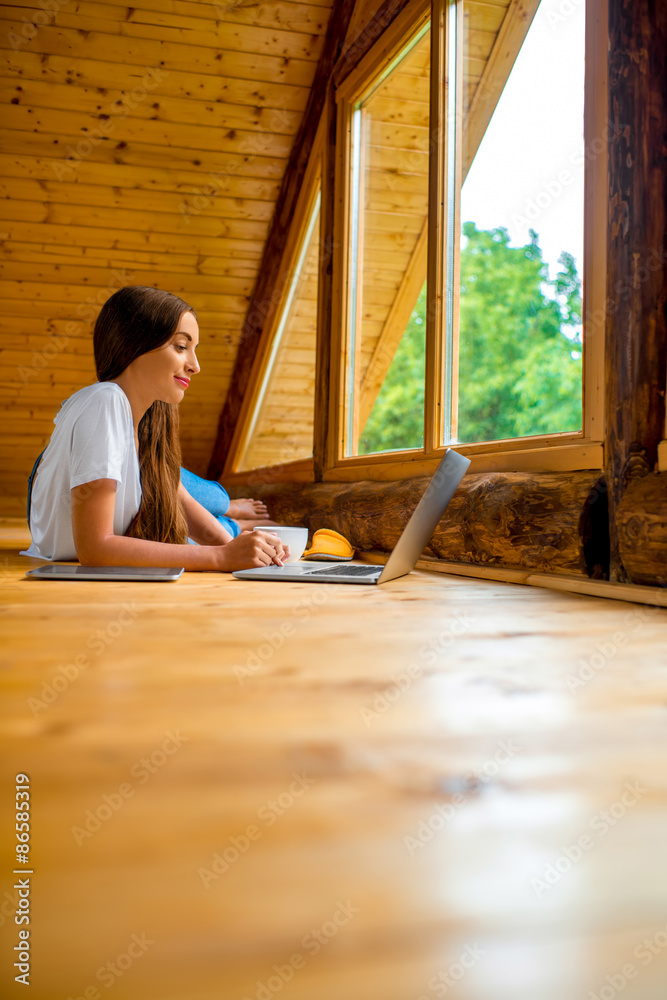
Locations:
(107, 489)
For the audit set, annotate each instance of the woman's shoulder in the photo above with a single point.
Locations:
(99, 393)
(100, 389)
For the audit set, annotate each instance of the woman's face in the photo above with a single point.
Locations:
(166, 372)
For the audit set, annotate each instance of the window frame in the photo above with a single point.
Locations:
(562, 451)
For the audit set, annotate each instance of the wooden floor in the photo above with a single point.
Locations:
(438, 787)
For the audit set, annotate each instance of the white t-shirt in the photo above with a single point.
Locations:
(93, 439)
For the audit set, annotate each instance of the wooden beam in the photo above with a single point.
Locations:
(535, 521)
(323, 399)
(359, 45)
(636, 327)
(266, 291)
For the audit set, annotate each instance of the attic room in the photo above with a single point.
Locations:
(399, 233)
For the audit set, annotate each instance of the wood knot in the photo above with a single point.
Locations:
(636, 467)
(634, 529)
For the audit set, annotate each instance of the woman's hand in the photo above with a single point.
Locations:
(252, 549)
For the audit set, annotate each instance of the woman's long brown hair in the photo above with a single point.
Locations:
(134, 321)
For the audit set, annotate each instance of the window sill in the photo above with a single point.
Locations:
(551, 455)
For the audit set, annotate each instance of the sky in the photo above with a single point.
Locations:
(536, 134)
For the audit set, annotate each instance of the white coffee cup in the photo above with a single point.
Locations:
(296, 538)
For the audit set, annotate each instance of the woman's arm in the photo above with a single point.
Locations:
(96, 544)
(203, 527)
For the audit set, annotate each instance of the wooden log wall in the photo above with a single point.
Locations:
(141, 145)
(641, 525)
(552, 522)
(636, 332)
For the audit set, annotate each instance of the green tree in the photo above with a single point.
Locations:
(519, 346)
(519, 350)
(397, 418)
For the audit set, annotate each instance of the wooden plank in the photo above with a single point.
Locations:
(143, 52)
(96, 73)
(90, 131)
(158, 264)
(401, 226)
(36, 292)
(563, 583)
(403, 163)
(297, 17)
(399, 137)
(54, 192)
(405, 89)
(204, 16)
(250, 161)
(391, 109)
(15, 361)
(214, 114)
(225, 36)
(397, 201)
(484, 16)
(129, 239)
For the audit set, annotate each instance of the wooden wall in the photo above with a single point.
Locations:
(140, 145)
(636, 329)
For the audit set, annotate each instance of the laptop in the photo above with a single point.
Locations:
(409, 547)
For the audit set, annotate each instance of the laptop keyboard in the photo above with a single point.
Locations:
(348, 571)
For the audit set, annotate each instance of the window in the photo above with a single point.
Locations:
(467, 294)
(387, 257)
(470, 157)
(520, 244)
